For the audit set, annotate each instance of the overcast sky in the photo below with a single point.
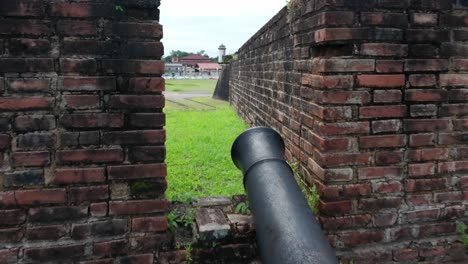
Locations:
(194, 25)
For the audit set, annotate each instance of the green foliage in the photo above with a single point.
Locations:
(178, 219)
(198, 150)
(310, 192)
(296, 4)
(119, 8)
(191, 85)
(243, 208)
(189, 250)
(461, 229)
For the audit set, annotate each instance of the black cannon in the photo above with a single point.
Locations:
(287, 231)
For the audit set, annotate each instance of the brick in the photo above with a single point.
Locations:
(5, 142)
(426, 95)
(453, 80)
(11, 235)
(386, 126)
(87, 83)
(420, 140)
(427, 36)
(334, 223)
(149, 224)
(89, 47)
(138, 259)
(147, 102)
(9, 255)
(99, 261)
(136, 30)
(23, 46)
(343, 128)
(405, 254)
(78, 66)
(88, 194)
(422, 80)
(423, 110)
(383, 19)
(137, 171)
(53, 232)
(458, 95)
(76, 28)
(460, 124)
(384, 49)
(389, 66)
(25, 27)
(148, 154)
(453, 109)
(75, 175)
(385, 219)
(153, 120)
(28, 85)
(343, 65)
(30, 159)
(388, 34)
(454, 49)
(42, 140)
(22, 8)
(344, 97)
(387, 96)
(427, 65)
(387, 187)
(54, 252)
(428, 154)
(388, 157)
(339, 34)
(26, 103)
(24, 178)
(421, 169)
(133, 66)
(137, 50)
(79, 139)
(372, 204)
(34, 122)
(12, 217)
(381, 81)
(81, 102)
(92, 120)
(108, 248)
(425, 125)
(57, 214)
(380, 173)
(89, 156)
(424, 19)
(145, 85)
(335, 208)
(26, 65)
(382, 141)
(430, 4)
(98, 209)
(329, 81)
(448, 197)
(460, 64)
(454, 138)
(424, 51)
(80, 10)
(113, 227)
(425, 185)
(137, 207)
(134, 137)
(40, 197)
(453, 212)
(436, 229)
(330, 160)
(356, 190)
(453, 166)
(383, 111)
(7, 200)
(362, 237)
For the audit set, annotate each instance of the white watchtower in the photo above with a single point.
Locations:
(222, 53)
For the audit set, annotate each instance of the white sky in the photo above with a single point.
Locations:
(194, 25)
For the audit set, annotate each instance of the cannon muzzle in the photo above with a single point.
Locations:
(287, 231)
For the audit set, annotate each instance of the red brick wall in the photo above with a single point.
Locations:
(371, 99)
(81, 131)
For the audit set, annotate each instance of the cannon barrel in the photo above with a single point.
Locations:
(287, 231)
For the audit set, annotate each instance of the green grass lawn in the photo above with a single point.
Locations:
(190, 85)
(199, 150)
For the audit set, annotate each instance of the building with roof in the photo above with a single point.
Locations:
(193, 66)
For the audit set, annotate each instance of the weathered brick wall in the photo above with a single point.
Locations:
(81, 132)
(371, 98)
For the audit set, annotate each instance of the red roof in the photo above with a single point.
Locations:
(209, 66)
(194, 57)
